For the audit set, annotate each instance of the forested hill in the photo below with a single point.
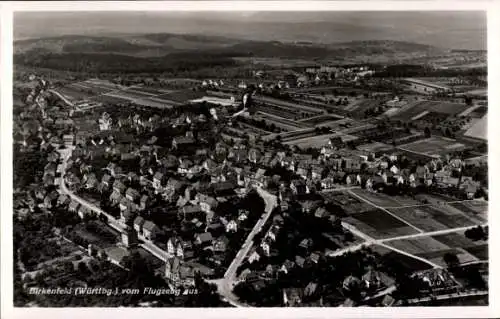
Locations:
(170, 53)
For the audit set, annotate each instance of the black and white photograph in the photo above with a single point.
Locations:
(249, 159)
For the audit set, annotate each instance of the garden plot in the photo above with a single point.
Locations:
(383, 200)
(432, 218)
(470, 209)
(379, 224)
(432, 249)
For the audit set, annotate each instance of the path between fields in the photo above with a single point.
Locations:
(385, 210)
(430, 204)
(384, 241)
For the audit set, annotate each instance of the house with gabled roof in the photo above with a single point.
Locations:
(203, 239)
(63, 200)
(180, 142)
(220, 244)
(315, 257)
(150, 230)
(306, 244)
(105, 181)
(49, 180)
(119, 187)
(299, 187)
(114, 169)
(371, 279)
(158, 180)
(138, 224)
(132, 194)
(115, 198)
(51, 199)
(300, 261)
(207, 203)
(321, 212)
(73, 206)
(91, 181)
(254, 256)
(287, 266)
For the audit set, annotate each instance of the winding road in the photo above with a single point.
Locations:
(225, 285)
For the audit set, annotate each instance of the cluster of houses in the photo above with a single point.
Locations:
(437, 279)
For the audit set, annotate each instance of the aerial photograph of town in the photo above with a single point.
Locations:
(250, 159)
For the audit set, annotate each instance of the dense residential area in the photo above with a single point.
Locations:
(238, 181)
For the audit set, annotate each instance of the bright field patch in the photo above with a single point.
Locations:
(432, 146)
(418, 245)
(429, 218)
(413, 109)
(383, 200)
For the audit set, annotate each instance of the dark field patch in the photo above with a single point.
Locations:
(379, 219)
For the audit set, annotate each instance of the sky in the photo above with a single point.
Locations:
(458, 30)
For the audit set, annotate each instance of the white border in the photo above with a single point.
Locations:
(353, 5)
(7, 9)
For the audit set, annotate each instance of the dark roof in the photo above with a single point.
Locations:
(299, 261)
(149, 225)
(189, 209)
(205, 237)
(184, 140)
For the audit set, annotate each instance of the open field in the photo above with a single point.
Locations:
(419, 245)
(282, 112)
(129, 95)
(155, 103)
(479, 251)
(459, 240)
(103, 236)
(433, 146)
(315, 141)
(479, 112)
(281, 122)
(319, 141)
(321, 119)
(73, 94)
(109, 99)
(383, 200)
(410, 264)
(87, 87)
(151, 90)
(358, 109)
(104, 84)
(415, 108)
(434, 248)
(431, 218)
(475, 209)
(378, 224)
(479, 129)
(289, 105)
(181, 96)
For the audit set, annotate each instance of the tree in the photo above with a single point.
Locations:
(451, 260)
(427, 132)
(468, 101)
